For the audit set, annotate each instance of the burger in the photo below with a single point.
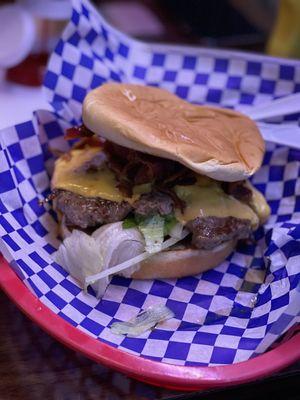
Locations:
(156, 175)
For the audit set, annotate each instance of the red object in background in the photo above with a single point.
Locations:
(30, 72)
(153, 372)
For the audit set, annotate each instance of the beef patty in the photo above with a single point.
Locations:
(85, 212)
(207, 232)
(154, 203)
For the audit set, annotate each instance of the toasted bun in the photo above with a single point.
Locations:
(174, 263)
(186, 262)
(222, 144)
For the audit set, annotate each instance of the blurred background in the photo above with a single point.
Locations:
(30, 29)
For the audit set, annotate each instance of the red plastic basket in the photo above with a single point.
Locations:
(155, 373)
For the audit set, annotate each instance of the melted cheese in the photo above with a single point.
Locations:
(205, 198)
(100, 183)
(258, 204)
(211, 201)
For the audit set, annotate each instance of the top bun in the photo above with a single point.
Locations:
(222, 144)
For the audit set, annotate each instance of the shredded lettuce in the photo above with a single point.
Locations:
(136, 221)
(129, 222)
(170, 222)
(153, 230)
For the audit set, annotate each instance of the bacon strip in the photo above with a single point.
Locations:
(135, 168)
(78, 132)
(238, 190)
(93, 141)
(178, 203)
(51, 196)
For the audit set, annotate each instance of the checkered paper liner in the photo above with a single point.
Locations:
(221, 316)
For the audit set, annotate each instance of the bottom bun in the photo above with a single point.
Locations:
(173, 263)
(186, 262)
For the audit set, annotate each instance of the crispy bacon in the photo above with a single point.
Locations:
(96, 163)
(135, 168)
(238, 190)
(93, 141)
(78, 132)
(49, 198)
(182, 177)
(125, 188)
(178, 203)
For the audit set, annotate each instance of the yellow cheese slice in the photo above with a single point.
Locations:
(205, 198)
(259, 204)
(101, 183)
(211, 201)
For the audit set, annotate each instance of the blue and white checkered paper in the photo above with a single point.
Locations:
(222, 315)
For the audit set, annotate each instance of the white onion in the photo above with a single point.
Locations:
(133, 261)
(84, 256)
(118, 245)
(79, 255)
(153, 231)
(109, 250)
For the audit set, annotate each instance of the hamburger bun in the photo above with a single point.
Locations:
(222, 144)
(185, 262)
(175, 263)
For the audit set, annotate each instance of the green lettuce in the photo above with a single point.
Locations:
(154, 228)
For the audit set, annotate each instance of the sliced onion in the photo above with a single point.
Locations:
(133, 261)
(79, 255)
(84, 256)
(126, 251)
(153, 231)
(110, 250)
(118, 245)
